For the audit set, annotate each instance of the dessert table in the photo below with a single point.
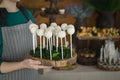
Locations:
(81, 73)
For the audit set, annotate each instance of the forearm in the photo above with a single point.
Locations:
(27, 63)
(10, 66)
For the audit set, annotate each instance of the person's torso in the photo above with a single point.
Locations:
(17, 42)
(12, 19)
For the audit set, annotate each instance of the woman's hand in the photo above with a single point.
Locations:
(33, 64)
(27, 63)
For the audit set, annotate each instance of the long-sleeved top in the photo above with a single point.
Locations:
(13, 18)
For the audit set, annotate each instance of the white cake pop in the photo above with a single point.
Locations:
(32, 26)
(51, 28)
(43, 26)
(58, 27)
(48, 33)
(64, 26)
(56, 30)
(54, 24)
(40, 32)
(70, 26)
(34, 30)
(71, 31)
(61, 34)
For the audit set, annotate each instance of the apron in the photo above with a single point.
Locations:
(17, 43)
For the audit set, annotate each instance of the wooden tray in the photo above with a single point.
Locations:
(69, 67)
(59, 63)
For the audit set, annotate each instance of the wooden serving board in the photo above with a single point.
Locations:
(59, 63)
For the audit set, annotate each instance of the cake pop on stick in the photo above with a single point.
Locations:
(55, 32)
(70, 26)
(71, 31)
(51, 28)
(52, 39)
(35, 36)
(33, 28)
(64, 28)
(48, 35)
(40, 33)
(44, 27)
(54, 24)
(61, 35)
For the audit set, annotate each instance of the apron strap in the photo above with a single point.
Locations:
(25, 13)
(3, 13)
